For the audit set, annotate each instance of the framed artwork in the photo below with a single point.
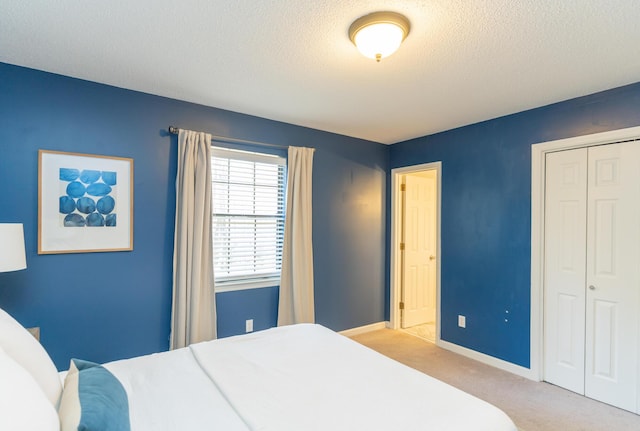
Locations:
(85, 203)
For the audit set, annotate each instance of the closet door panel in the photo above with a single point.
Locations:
(565, 257)
(613, 275)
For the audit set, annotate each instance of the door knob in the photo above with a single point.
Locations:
(592, 287)
(432, 257)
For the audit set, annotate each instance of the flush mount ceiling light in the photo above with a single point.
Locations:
(379, 34)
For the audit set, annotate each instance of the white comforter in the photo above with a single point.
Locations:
(294, 378)
(170, 392)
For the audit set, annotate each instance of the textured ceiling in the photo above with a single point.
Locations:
(291, 60)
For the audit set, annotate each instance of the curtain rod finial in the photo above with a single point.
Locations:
(173, 130)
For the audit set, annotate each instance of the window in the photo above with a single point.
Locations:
(248, 218)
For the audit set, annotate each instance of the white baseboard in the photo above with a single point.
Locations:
(489, 360)
(364, 329)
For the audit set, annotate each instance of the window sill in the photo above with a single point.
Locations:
(232, 286)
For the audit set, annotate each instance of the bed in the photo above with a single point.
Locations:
(298, 377)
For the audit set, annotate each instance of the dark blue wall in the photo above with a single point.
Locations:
(486, 185)
(234, 308)
(486, 213)
(127, 312)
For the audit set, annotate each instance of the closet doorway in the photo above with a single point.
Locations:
(590, 271)
(415, 250)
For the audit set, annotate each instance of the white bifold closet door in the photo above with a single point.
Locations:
(592, 272)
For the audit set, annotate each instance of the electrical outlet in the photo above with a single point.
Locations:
(462, 321)
(249, 325)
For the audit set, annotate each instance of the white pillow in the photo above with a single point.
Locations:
(18, 343)
(23, 405)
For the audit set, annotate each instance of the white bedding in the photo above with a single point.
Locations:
(300, 377)
(169, 391)
(306, 377)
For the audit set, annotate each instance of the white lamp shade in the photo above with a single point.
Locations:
(379, 40)
(12, 255)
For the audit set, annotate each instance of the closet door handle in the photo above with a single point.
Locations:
(592, 287)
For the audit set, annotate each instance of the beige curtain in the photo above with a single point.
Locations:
(296, 303)
(193, 317)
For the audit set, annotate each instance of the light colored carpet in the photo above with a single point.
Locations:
(533, 406)
(426, 331)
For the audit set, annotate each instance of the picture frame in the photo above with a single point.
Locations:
(85, 203)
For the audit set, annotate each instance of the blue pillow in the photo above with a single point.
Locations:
(93, 399)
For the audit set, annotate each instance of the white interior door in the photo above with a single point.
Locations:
(565, 266)
(592, 272)
(613, 275)
(419, 263)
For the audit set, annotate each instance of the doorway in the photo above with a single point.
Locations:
(415, 250)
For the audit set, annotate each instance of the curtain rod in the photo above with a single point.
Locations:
(174, 131)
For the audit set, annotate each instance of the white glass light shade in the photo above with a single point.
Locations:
(378, 35)
(12, 255)
(378, 41)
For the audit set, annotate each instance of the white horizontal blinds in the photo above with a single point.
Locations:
(248, 215)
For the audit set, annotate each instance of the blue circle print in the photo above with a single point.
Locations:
(68, 174)
(74, 220)
(95, 219)
(76, 189)
(109, 178)
(88, 176)
(67, 205)
(106, 204)
(110, 220)
(86, 205)
(98, 189)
